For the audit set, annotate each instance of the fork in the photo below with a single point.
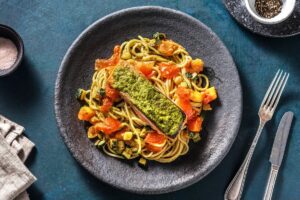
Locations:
(265, 113)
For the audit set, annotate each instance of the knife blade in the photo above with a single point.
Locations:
(281, 139)
(278, 152)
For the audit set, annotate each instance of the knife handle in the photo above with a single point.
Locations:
(271, 183)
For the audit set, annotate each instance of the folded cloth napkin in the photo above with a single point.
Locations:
(15, 178)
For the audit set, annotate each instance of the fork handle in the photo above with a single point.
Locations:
(235, 188)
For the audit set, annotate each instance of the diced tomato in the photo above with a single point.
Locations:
(106, 105)
(85, 113)
(154, 137)
(195, 66)
(185, 103)
(112, 93)
(153, 148)
(210, 94)
(109, 126)
(167, 47)
(112, 61)
(207, 107)
(146, 68)
(195, 124)
(104, 128)
(168, 69)
(187, 109)
(207, 99)
(92, 133)
(155, 141)
(119, 134)
(183, 93)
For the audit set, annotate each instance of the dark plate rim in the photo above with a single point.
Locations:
(257, 32)
(62, 130)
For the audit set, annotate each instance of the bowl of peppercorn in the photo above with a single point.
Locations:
(270, 11)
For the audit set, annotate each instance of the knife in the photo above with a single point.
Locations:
(278, 152)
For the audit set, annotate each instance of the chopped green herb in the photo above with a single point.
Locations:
(188, 75)
(79, 93)
(196, 137)
(99, 143)
(113, 144)
(191, 134)
(159, 36)
(102, 92)
(195, 77)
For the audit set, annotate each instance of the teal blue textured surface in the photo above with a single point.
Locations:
(49, 27)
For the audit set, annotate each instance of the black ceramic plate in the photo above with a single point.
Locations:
(289, 27)
(97, 41)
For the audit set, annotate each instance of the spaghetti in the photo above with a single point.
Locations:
(114, 124)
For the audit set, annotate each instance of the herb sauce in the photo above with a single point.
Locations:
(154, 105)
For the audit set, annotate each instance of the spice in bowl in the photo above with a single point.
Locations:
(8, 53)
(268, 8)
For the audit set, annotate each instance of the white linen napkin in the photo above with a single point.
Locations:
(15, 178)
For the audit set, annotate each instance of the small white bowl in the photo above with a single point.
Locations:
(286, 10)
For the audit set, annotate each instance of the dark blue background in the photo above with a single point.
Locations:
(49, 27)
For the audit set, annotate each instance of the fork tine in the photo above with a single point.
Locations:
(274, 97)
(280, 93)
(269, 89)
(271, 95)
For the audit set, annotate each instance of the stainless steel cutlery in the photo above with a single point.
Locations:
(265, 113)
(278, 151)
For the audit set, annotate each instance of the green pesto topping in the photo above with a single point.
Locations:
(154, 105)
